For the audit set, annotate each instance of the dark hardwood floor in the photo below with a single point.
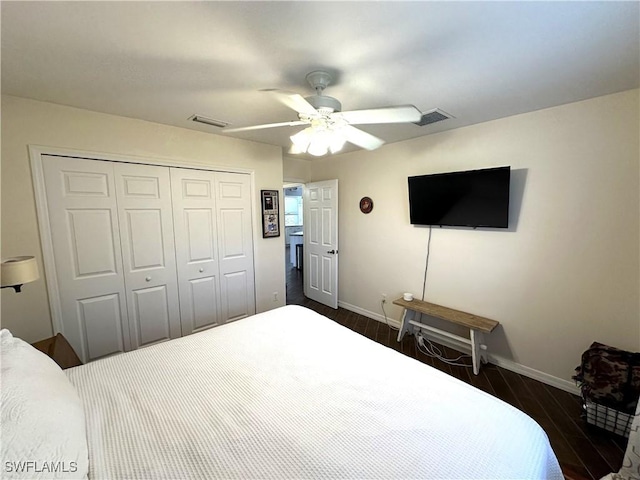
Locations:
(584, 452)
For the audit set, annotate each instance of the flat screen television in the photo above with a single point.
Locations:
(474, 198)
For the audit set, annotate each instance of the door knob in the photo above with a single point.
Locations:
(332, 252)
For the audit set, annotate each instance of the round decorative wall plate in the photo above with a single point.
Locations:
(366, 205)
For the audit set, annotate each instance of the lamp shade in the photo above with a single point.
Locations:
(19, 270)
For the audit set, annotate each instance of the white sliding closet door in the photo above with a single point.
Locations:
(194, 214)
(235, 246)
(142, 253)
(83, 217)
(214, 247)
(148, 252)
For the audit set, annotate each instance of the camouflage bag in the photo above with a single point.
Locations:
(610, 376)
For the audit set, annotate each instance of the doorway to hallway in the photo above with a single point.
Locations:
(294, 241)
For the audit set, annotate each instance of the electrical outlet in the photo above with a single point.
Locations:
(384, 298)
(275, 296)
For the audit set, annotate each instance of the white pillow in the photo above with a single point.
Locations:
(43, 425)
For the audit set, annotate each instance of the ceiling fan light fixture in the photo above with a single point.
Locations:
(317, 140)
(295, 150)
(318, 148)
(320, 141)
(337, 142)
(301, 140)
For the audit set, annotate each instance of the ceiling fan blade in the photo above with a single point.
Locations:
(294, 123)
(400, 114)
(294, 101)
(361, 138)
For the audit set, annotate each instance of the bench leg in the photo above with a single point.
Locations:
(484, 358)
(478, 353)
(405, 326)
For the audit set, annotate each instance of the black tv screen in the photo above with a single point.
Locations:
(475, 198)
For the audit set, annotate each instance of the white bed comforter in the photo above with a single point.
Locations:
(291, 394)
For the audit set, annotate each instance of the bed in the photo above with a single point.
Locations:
(283, 394)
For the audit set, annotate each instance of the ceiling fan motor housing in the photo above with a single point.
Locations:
(319, 80)
(323, 102)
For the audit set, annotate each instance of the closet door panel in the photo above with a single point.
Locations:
(101, 325)
(199, 228)
(148, 251)
(235, 286)
(204, 294)
(90, 232)
(151, 315)
(195, 223)
(235, 240)
(232, 234)
(85, 233)
(146, 243)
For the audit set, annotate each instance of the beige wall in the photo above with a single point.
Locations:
(565, 274)
(296, 170)
(26, 122)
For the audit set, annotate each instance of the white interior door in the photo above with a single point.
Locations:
(83, 221)
(235, 246)
(195, 226)
(321, 242)
(148, 253)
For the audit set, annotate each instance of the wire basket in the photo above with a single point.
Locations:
(608, 418)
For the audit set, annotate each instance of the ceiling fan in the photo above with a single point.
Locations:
(329, 128)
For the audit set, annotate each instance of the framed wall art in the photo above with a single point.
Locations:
(270, 214)
(366, 205)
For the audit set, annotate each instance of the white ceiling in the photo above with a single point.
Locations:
(164, 61)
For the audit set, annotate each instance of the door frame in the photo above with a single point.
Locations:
(36, 153)
(284, 226)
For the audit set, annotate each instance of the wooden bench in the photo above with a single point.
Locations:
(477, 326)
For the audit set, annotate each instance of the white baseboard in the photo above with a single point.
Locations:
(562, 384)
(505, 363)
(367, 313)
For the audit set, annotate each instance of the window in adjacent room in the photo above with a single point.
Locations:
(292, 210)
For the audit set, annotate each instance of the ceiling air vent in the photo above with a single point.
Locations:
(433, 116)
(208, 121)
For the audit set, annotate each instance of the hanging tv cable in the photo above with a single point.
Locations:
(426, 266)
